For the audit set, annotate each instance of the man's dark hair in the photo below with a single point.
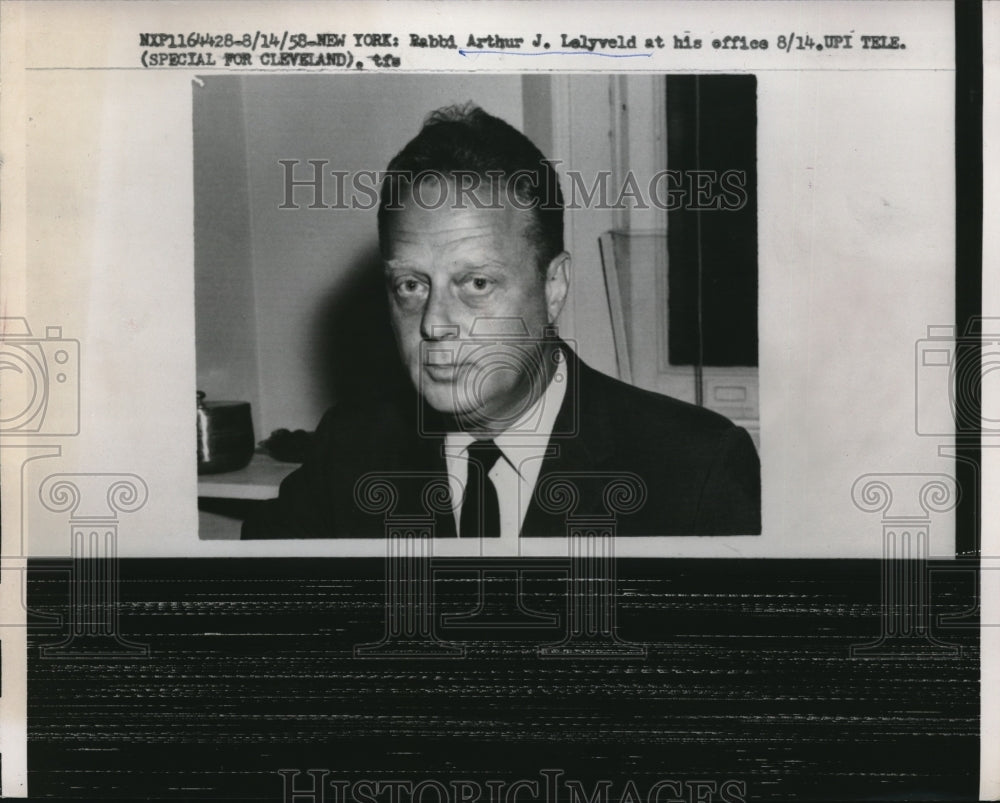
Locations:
(465, 140)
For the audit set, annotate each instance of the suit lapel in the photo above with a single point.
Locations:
(431, 451)
(417, 459)
(580, 443)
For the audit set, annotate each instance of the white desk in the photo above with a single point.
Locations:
(258, 481)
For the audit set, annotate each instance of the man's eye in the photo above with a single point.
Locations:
(479, 284)
(409, 288)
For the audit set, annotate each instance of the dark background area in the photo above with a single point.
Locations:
(748, 677)
(712, 125)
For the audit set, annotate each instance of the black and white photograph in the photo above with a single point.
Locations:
(499, 402)
(338, 307)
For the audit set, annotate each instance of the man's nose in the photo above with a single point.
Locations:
(437, 322)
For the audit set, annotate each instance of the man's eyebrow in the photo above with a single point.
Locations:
(464, 263)
(479, 233)
(397, 264)
(485, 262)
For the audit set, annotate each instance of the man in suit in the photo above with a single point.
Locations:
(471, 236)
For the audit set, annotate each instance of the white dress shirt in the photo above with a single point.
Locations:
(523, 445)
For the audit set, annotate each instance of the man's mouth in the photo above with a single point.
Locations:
(439, 363)
(440, 373)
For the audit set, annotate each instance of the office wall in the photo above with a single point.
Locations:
(225, 307)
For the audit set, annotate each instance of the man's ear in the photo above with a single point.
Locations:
(556, 284)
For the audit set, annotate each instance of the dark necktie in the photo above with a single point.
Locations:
(480, 517)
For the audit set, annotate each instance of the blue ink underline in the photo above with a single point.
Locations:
(467, 53)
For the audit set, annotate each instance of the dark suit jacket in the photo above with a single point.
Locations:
(700, 473)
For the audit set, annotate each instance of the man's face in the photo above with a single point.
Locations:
(469, 304)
